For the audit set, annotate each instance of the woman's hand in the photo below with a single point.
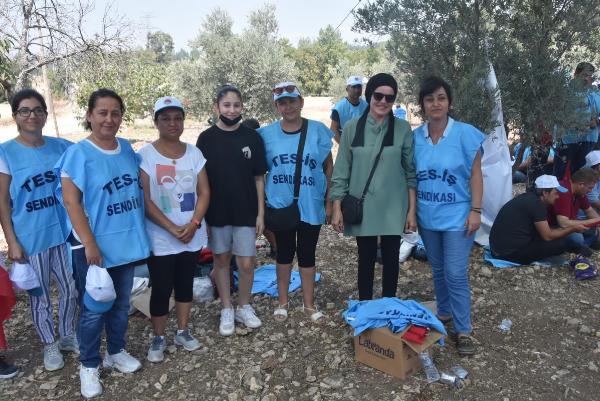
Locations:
(93, 255)
(337, 220)
(328, 211)
(176, 231)
(260, 224)
(187, 232)
(411, 221)
(473, 222)
(16, 253)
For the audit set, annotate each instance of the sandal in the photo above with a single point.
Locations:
(280, 314)
(465, 345)
(314, 314)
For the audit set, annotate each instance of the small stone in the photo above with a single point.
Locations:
(311, 379)
(592, 366)
(333, 381)
(241, 331)
(485, 272)
(312, 391)
(585, 329)
(287, 372)
(188, 368)
(232, 397)
(51, 385)
(268, 364)
(163, 378)
(306, 352)
(171, 349)
(573, 321)
(158, 386)
(330, 305)
(255, 385)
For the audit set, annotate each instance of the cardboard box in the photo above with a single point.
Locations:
(141, 301)
(390, 353)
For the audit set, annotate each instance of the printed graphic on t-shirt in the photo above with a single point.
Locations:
(176, 188)
(247, 152)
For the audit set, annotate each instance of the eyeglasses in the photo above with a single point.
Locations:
(26, 112)
(288, 89)
(388, 98)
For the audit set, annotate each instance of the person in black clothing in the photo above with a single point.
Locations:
(235, 166)
(521, 232)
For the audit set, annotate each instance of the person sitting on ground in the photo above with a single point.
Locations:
(520, 174)
(352, 106)
(563, 213)
(521, 232)
(592, 160)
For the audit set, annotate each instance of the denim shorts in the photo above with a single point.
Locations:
(240, 241)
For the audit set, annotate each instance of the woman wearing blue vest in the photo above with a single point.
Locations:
(102, 192)
(34, 222)
(389, 203)
(281, 141)
(449, 191)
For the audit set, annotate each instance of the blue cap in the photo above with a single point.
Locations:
(288, 89)
(96, 306)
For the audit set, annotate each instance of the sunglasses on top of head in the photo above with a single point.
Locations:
(388, 98)
(288, 89)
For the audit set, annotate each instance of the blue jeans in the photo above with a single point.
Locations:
(114, 321)
(586, 238)
(448, 253)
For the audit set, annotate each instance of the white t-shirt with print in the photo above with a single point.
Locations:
(173, 190)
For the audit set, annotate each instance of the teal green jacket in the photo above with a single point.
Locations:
(386, 202)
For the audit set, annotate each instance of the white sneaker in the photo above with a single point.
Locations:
(122, 361)
(53, 359)
(156, 353)
(227, 325)
(90, 382)
(246, 315)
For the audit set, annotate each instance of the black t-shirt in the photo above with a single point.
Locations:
(233, 159)
(514, 226)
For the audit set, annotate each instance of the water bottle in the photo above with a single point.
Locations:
(505, 325)
(431, 372)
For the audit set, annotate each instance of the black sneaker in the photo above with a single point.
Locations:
(7, 371)
(585, 251)
(449, 326)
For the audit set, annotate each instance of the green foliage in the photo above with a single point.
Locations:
(253, 61)
(437, 37)
(315, 59)
(6, 72)
(161, 44)
(133, 75)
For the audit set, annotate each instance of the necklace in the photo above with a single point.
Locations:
(169, 153)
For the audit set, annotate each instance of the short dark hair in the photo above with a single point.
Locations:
(584, 65)
(26, 94)
(100, 93)
(430, 85)
(585, 175)
(225, 89)
(251, 123)
(158, 113)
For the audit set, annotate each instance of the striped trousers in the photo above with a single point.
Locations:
(53, 262)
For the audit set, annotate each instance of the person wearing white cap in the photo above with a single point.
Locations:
(285, 140)
(102, 192)
(176, 196)
(236, 167)
(34, 222)
(564, 212)
(592, 160)
(521, 232)
(351, 106)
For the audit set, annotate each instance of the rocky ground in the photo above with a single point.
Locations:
(551, 353)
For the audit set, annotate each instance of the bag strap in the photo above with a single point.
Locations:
(299, 156)
(383, 142)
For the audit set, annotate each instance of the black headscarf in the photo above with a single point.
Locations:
(377, 80)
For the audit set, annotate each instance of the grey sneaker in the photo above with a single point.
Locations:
(69, 344)
(187, 340)
(53, 359)
(156, 353)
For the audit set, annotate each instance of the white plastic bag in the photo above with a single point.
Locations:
(203, 289)
(139, 285)
(405, 250)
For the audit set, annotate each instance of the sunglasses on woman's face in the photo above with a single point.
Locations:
(288, 89)
(388, 98)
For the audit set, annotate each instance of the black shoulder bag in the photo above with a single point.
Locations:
(287, 218)
(352, 207)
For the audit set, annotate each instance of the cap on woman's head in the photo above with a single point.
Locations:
(377, 80)
(167, 102)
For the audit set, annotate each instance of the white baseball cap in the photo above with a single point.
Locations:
(592, 158)
(24, 278)
(99, 290)
(548, 182)
(354, 80)
(285, 89)
(167, 102)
